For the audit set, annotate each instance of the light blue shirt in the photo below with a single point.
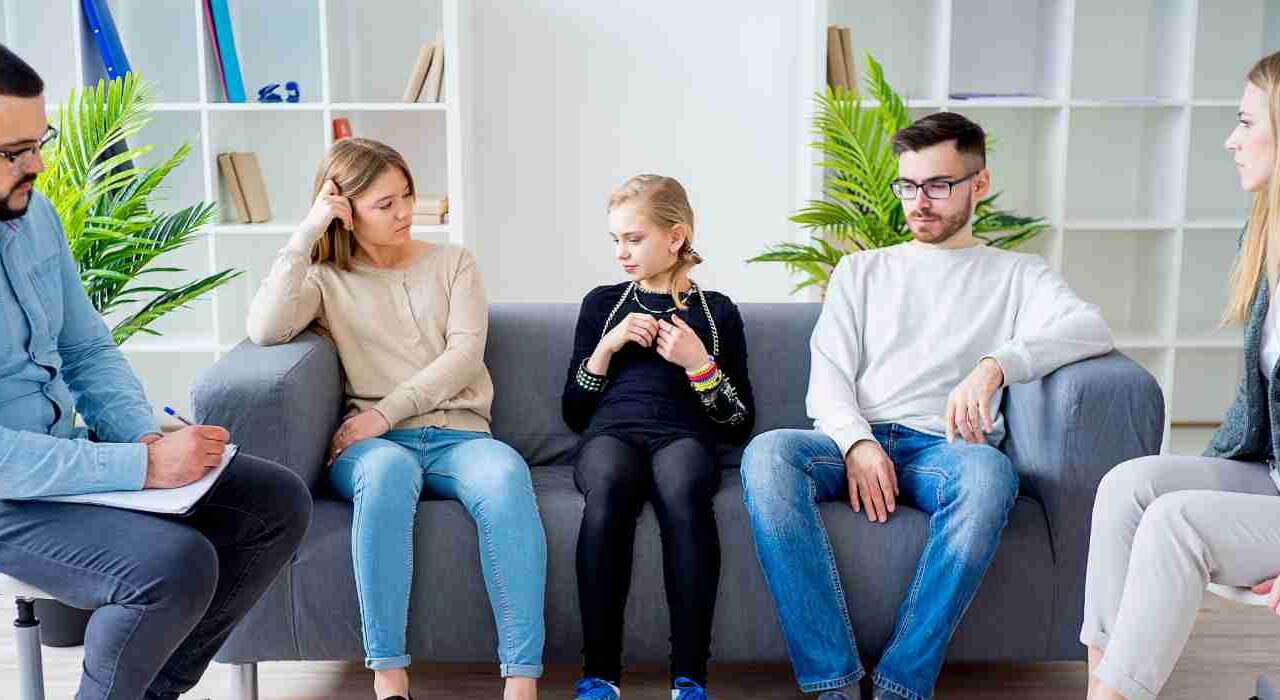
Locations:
(56, 357)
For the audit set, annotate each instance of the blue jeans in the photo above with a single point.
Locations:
(967, 490)
(166, 591)
(385, 477)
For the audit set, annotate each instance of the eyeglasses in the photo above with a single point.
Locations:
(907, 190)
(26, 153)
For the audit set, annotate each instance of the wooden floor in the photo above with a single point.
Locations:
(1230, 647)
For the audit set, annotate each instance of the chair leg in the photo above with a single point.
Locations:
(244, 681)
(26, 630)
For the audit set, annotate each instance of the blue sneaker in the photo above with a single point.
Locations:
(596, 689)
(686, 689)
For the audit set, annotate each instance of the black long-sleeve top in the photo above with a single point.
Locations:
(642, 389)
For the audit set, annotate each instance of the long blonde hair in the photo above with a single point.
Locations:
(664, 201)
(353, 164)
(1262, 237)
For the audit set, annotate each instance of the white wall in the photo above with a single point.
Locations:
(571, 97)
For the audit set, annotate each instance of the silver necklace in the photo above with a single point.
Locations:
(636, 294)
(706, 309)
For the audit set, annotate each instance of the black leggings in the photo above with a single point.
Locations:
(617, 474)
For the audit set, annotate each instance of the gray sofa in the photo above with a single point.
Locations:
(1064, 433)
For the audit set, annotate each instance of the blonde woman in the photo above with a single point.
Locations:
(658, 378)
(409, 320)
(1164, 527)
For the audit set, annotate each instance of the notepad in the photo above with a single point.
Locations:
(177, 501)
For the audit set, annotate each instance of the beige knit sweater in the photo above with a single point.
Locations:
(411, 340)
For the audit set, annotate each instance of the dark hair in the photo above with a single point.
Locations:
(941, 127)
(17, 77)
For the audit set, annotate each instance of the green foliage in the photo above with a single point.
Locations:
(104, 201)
(859, 211)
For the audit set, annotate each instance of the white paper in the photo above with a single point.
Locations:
(175, 501)
(1237, 594)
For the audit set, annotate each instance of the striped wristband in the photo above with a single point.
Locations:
(589, 380)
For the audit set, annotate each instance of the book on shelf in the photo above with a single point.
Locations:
(990, 95)
(850, 69)
(419, 74)
(434, 81)
(837, 78)
(842, 73)
(97, 14)
(237, 212)
(217, 54)
(431, 204)
(430, 219)
(242, 177)
(341, 128)
(224, 36)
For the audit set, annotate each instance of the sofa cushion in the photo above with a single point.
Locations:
(528, 354)
(316, 602)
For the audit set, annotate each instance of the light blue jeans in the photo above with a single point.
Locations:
(386, 476)
(967, 490)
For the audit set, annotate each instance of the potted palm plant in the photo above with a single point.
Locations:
(859, 211)
(104, 200)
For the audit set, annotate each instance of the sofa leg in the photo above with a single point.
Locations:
(26, 629)
(244, 682)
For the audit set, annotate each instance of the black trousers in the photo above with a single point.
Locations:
(617, 472)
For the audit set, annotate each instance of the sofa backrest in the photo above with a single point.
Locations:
(528, 356)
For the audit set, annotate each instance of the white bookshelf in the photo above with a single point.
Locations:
(1109, 118)
(349, 61)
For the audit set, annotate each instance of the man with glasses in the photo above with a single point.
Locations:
(165, 590)
(910, 354)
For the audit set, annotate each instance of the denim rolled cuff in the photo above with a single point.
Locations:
(845, 681)
(521, 670)
(882, 681)
(389, 662)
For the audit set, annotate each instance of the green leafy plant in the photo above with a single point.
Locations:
(859, 211)
(104, 201)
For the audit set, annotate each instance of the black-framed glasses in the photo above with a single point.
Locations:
(16, 155)
(907, 190)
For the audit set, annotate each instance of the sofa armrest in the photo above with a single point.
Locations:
(281, 403)
(1064, 433)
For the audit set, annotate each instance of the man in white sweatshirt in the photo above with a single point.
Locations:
(910, 355)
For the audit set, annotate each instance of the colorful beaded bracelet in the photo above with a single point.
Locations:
(710, 383)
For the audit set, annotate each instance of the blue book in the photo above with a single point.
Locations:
(227, 49)
(98, 15)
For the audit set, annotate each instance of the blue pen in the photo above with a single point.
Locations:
(174, 413)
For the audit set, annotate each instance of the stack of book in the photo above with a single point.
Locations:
(426, 83)
(842, 74)
(431, 210)
(246, 189)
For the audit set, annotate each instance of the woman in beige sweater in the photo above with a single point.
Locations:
(409, 320)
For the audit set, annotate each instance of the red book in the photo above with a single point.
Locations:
(341, 128)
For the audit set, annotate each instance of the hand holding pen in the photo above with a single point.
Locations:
(184, 456)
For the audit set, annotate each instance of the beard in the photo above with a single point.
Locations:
(950, 224)
(8, 212)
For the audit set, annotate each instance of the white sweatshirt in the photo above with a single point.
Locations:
(902, 326)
